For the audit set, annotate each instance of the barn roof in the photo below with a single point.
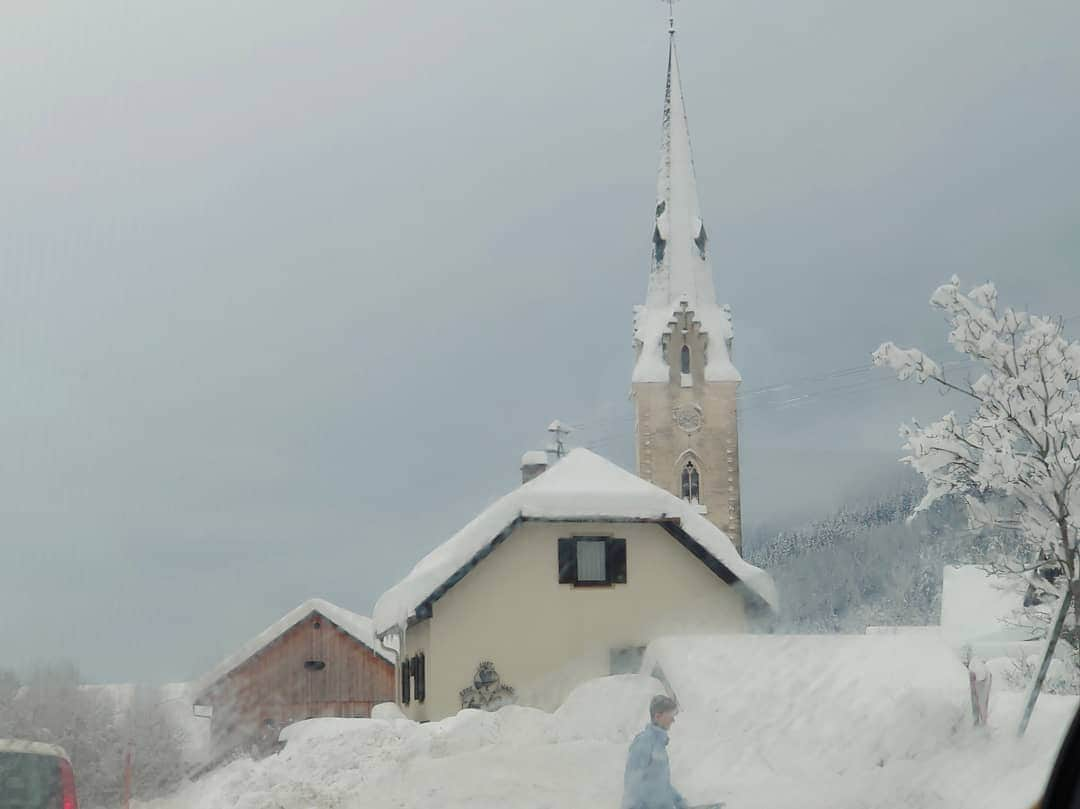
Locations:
(582, 487)
(359, 627)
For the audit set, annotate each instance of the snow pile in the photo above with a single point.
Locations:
(765, 722)
(513, 757)
(839, 688)
(582, 486)
(881, 720)
(358, 626)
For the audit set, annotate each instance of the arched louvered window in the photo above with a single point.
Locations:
(701, 240)
(691, 483)
(659, 240)
(658, 246)
(685, 359)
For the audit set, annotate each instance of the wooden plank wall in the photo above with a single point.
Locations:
(275, 687)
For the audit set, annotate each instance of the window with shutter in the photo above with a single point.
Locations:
(616, 560)
(592, 561)
(420, 677)
(567, 561)
(406, 674)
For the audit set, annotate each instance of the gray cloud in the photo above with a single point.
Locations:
(284, 294)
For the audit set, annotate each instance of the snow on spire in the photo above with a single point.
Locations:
(680, 263)
(680, 243)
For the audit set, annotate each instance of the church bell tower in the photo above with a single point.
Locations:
(684, 383)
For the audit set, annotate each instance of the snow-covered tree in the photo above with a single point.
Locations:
(1014, 452)
(155, 745)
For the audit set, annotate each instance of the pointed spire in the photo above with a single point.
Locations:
(680, 279)
(680, 250)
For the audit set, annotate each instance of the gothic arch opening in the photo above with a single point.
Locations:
(684, 359)
(690, 483)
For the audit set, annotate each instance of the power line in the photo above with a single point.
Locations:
(608, 427)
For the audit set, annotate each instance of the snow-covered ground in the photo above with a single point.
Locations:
(766, 722)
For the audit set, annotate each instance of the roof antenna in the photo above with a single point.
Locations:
(671, 16)
(558, 430)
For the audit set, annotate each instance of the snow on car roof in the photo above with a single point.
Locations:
(35, 748)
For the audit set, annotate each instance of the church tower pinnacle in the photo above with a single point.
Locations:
(684, 383)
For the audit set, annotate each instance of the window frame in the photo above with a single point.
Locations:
(615, 561)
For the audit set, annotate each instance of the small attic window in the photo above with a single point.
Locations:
(317, 624)
(684, 359)
(314, 665)
(701, 239)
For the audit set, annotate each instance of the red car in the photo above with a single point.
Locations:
(35, 776)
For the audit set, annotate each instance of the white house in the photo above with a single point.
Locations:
(567, 577)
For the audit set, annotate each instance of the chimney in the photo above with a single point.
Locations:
(533, 463)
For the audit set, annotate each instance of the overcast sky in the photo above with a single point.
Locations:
(287, 288)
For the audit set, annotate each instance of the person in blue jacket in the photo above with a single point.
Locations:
(647, 782)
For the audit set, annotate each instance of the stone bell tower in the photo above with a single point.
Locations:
(684, 382)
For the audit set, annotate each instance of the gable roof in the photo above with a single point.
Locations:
(582, 487)
(359, 627)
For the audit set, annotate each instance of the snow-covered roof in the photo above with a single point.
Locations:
(682, 272)
(581, 487)
(977, 606)
(359, 627)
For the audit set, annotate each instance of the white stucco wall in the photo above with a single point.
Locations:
(544, 637)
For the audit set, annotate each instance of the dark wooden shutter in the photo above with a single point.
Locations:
(420, 673)
(616, 561)
(406, 672)
(567, 561)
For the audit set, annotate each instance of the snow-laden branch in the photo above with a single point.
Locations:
(1015, 457)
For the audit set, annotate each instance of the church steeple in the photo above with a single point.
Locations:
(681, 272)
(684, 383)
(680, 242)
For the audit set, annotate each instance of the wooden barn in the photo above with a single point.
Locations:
(318, 660)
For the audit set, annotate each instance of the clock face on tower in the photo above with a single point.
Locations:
(688, 417)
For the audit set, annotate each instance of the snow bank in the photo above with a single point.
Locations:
(513, 757)
(582, 486)
(867, 720)
(765, 722)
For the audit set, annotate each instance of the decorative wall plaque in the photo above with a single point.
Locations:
(487, 692)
